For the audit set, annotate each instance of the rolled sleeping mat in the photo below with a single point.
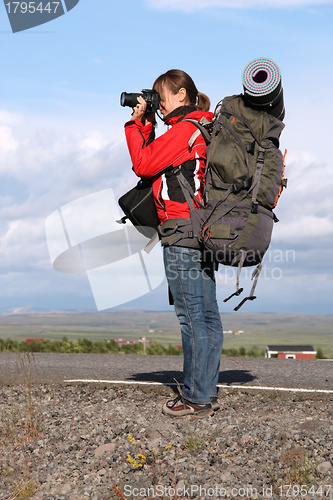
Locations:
(263, 87)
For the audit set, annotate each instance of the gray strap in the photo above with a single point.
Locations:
(257, 175)
(186, 188)
(193, 138)
(151, 243)
(179, 229)
(201, 130)
(220, 185)
(173, 239)
(240, 258)
(216, 215)
(173, 225)
(239, 186)
(255, 276)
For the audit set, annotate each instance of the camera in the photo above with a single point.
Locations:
(151, 97)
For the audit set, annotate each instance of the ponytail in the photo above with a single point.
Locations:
(203, 102)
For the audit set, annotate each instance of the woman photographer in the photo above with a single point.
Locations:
(190, 278)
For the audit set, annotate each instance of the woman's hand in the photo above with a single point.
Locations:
(139, 112)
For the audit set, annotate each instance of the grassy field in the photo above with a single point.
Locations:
(260, 329)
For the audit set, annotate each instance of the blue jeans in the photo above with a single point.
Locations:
(192, 285)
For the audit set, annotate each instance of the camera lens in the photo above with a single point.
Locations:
(123, 99)
(129, 99)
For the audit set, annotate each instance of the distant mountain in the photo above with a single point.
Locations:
(26, 310)
(9, 311)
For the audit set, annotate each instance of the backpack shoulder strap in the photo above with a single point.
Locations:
(256, 180)
(202, 126)
(186, 187)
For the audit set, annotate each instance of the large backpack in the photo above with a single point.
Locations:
(244, 179)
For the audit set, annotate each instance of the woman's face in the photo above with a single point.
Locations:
(170, 101)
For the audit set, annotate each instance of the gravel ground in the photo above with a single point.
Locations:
(99, 442)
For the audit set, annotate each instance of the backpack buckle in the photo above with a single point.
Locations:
(254, 209)
(235, 294)
(238, 187)
(242, 185)
(261, 156)
(243, 302)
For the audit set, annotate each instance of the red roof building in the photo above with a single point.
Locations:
(290, 351)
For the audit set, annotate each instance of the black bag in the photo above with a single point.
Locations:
(139, 207)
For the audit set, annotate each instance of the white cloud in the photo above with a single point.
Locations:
(305, 208)
(7, 139)
(10, 118)
(190, 5)
(63, 156)
(94, 141)
(307, 229)
(49, 164)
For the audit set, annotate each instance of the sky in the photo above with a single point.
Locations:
(62, 138)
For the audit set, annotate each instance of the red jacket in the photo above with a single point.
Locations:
(170, 149)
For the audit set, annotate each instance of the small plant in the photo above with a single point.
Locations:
(137, 461)
(302, 469)
(118, 492)
(320, 354)
(137, 464)
(299, 468)
(25, 489)
(194, 441)
(22, 422)
(152, 462)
